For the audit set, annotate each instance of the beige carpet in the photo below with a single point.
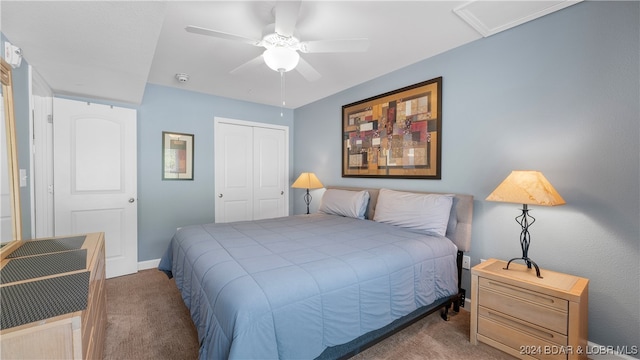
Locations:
(146, 319)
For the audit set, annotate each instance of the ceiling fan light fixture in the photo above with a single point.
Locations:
(281, 58)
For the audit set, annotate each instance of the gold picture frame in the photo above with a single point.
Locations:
(395, 135)
(177, 156)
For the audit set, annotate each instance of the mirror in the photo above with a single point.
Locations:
(10, 217)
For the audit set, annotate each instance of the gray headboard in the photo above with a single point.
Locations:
(459, 231)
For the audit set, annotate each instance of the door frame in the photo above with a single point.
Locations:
(216, 124)
(41, 141)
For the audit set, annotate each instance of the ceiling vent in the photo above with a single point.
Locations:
(491, 17)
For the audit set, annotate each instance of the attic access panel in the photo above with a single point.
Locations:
(491, 17)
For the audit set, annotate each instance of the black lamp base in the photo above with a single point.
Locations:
(307, 200)
(525, 220)
(529, 262)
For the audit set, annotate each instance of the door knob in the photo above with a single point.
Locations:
(220, 196)
(281, 192)
(131, 200)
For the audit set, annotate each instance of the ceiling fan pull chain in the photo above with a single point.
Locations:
(282, 92)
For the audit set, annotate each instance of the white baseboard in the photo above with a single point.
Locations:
(601, 352)
(149, 264)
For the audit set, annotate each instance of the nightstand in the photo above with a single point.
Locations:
(526, 316)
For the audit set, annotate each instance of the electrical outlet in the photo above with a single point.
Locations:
(466, 262)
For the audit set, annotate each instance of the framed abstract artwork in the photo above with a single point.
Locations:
(394, 135)
(177, 156)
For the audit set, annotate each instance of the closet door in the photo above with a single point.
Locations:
(268, 173)
(251, 164)
(234, 172)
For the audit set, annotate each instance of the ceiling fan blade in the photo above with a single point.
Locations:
(249, 64)
(221, 35)
(338, 45)
(307, 71)
(286, 14)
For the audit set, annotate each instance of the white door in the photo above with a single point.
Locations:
(269, 173)
(234, 172)
(95, 178)
(251, 162)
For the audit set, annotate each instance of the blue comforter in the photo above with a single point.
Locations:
(290, 287)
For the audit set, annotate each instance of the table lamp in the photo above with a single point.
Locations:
(526, 188)
(307, 180)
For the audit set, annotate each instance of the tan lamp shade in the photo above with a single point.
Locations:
(526, 187)
(307, 180)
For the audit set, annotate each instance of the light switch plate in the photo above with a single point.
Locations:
(23, 177)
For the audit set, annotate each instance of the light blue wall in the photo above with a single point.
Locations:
(559, 94)
(165, 205)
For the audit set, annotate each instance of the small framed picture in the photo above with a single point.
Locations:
(177, 156)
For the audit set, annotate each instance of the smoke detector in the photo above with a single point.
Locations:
(182, 77)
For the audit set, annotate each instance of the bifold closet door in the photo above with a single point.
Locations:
(250, 172)
(234, 172)
(269, 173)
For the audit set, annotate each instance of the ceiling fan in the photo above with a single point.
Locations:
(282, 46)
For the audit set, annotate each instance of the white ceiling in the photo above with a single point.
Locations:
(110, 49)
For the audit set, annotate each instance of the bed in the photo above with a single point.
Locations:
(325, 285)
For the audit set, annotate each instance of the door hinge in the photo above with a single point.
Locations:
(50, 119)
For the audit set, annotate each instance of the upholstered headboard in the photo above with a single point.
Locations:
(459, 231)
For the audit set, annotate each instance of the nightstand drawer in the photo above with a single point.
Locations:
(536, 297)
(521, 342)
(516, 306)
(544, 336)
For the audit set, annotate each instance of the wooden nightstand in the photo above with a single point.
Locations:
(528, 317)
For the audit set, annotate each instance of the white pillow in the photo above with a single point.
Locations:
(427, 213)
(345, 203)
